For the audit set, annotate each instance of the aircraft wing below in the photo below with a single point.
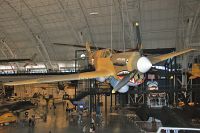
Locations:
(78, 76)
(160, 58)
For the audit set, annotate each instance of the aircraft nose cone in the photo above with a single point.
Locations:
(143, 64)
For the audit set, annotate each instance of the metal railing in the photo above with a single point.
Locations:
(176, 129)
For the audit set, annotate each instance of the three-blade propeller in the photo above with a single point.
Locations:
(128, 77)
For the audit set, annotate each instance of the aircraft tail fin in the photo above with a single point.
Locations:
(89, 52)
(88, 47)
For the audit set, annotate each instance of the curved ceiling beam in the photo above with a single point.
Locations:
(5, 48)
(9, 54)
(31, 34)
(29, 30)
(43, 46)
(68, 20)
(118, 8)
(131, 34)
(120, 2)
(86, 21)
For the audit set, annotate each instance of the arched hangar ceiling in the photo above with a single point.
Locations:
(32, 26)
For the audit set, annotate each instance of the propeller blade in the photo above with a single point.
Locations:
(138, 35)
(125, 80)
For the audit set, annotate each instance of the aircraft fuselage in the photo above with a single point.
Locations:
(119, 63)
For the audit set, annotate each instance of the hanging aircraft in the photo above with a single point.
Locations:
(120, 69)
(195, 72)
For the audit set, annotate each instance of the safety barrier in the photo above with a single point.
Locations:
(176, 129)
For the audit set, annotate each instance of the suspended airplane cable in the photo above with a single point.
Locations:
(195, 22)
(122, 8)
(131, 35)
(140, 21)
(178, 26)
(139, 10)
(111, 26)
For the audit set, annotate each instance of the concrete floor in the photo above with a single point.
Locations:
(60, 123)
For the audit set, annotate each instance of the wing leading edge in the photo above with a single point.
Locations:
(160, 58)
(79, 76)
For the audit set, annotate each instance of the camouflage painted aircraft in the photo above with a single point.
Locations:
(120, 69)
(195, 72)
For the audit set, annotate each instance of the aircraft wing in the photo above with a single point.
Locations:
(193, 77)
(160, 58)
(78, 76)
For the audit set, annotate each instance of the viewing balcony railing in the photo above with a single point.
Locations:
(178, 130)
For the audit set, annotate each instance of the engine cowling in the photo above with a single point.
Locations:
(124, 89)
(143, 64)
(114, 82)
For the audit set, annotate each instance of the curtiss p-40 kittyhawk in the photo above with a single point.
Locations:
(120, 69)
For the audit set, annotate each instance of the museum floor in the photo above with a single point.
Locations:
(61, 123)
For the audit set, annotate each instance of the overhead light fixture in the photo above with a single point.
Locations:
(82, 56)
(94, 13)
(113, 91)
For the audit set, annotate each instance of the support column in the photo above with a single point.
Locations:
(129, 99)
(122, 100)
(90, 104)
(115, 99)
(106, 110)
(2, 91)
(98, 107)
(95, 102)
(106, 104)
(111, 102)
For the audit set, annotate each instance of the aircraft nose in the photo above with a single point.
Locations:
(143, 64)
